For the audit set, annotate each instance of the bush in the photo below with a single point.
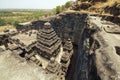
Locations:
(2, 22)
(15, 23)
(63, 7)
(58, 9)
(67, 4)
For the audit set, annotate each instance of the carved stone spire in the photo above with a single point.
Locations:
(53, 66)
(68, 46)
(48, 42)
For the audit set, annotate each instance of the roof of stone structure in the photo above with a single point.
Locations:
(12, 46)
(65, 56)
(47, 25)
(53, 66)
(68, 45)
(47, 39)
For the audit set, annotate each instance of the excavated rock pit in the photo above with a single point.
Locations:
(96, 45)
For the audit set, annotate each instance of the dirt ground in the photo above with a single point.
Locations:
(2, 28)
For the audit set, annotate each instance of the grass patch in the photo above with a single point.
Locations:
(15, 17)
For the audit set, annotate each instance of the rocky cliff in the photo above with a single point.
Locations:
(98, 56)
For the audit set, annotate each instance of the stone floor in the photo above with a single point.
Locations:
(15, 68)
(25, 38)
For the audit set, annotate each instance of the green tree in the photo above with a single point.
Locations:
(67, 4)
(58, 9)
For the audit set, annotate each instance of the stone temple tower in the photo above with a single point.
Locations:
(68, 46)
(48, 42)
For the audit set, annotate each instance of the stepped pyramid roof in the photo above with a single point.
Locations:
(65, 57)
(68, 45)
(53, 66)
(48, 41)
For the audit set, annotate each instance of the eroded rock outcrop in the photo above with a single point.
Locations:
(98, 58)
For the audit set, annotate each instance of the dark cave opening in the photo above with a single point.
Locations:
(117, 48)
(23, 53)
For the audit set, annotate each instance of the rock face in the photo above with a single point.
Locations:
(4, 39)
(113, 19)
(99, 57)
(69, 25)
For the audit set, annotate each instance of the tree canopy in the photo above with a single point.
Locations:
(58, 9)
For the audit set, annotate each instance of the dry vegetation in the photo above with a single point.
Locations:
(106, 7)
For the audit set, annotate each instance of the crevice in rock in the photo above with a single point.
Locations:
(71, 68)
(93, 75)
(92, 69)
(86, 67)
